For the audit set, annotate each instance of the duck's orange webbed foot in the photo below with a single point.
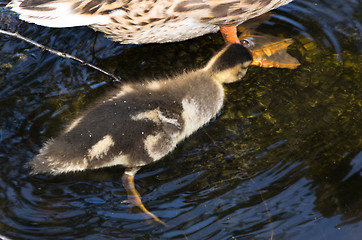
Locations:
(134, 197)
(267, 51)
(275, 55)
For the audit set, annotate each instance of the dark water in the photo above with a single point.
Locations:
(283, 159)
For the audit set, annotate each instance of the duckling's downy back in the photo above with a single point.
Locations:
(143, 122)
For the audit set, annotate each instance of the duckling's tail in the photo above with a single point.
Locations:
(56, 13)
(57, 157)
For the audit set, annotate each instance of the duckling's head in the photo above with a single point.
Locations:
(230, 64)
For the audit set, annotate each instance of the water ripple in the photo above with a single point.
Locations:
(281, 158)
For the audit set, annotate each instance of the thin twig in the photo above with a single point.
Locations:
(252, 180)
(60, 54)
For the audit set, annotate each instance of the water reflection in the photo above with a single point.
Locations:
(295, 132)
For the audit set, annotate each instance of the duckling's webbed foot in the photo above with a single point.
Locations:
(134, 197)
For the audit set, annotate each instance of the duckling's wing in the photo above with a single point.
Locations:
(171, 121)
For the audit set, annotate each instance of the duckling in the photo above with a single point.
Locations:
(146, 21)
(142, 122)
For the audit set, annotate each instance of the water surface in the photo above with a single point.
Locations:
(283, 158)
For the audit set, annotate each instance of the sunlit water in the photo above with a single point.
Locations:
(283, 158)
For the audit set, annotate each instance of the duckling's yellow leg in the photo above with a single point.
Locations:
(229, 33)
(133, 195)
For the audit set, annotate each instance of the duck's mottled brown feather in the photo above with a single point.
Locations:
(144, 21)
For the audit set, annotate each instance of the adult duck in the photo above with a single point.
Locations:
(146, 21)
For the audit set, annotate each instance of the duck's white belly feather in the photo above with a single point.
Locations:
(164, 32)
